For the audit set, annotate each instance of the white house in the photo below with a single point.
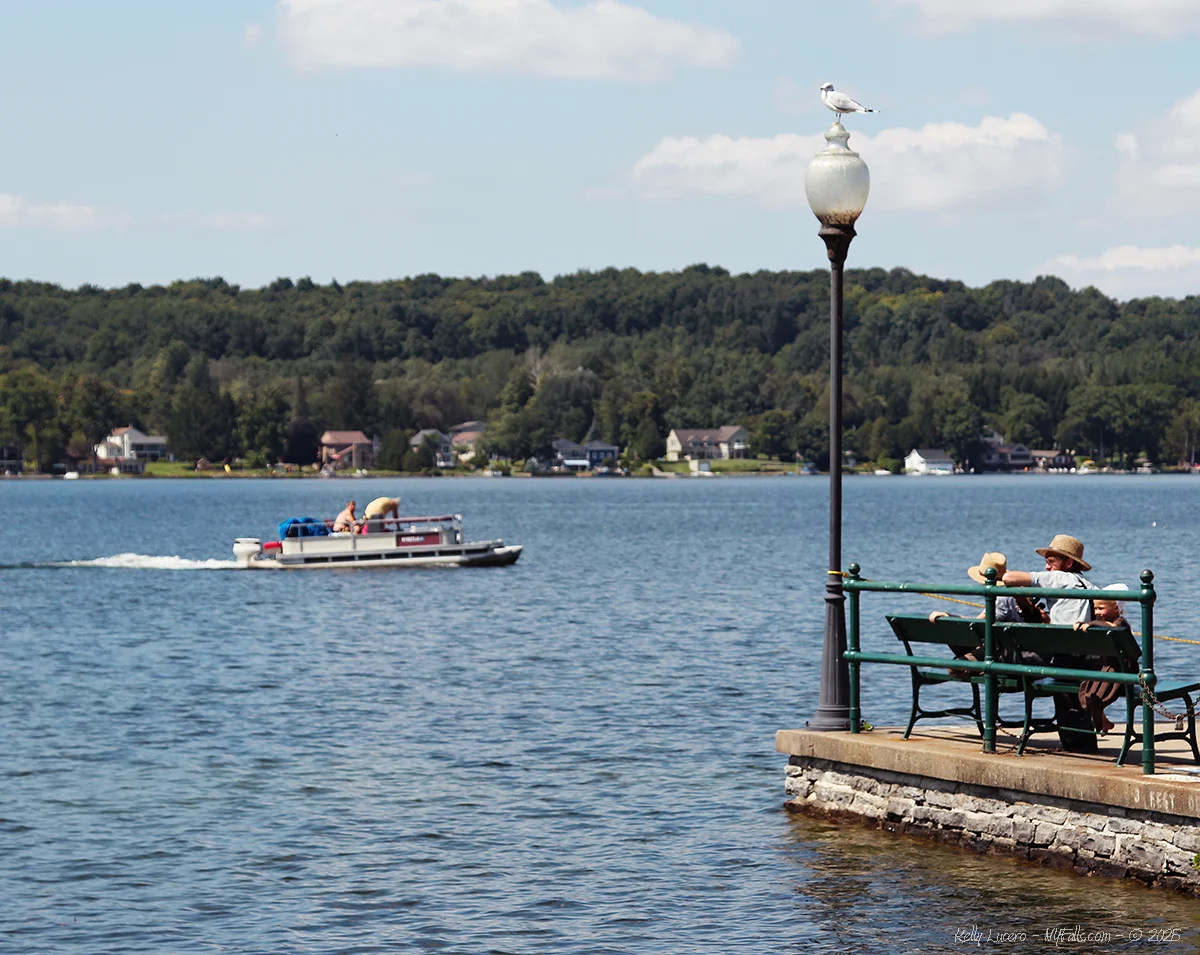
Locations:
(700, 444)
(928, 461)
(130, 444)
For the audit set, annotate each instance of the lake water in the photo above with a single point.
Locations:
(571, 755)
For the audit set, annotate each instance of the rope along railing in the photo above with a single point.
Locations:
(971, 603)
(990, 668)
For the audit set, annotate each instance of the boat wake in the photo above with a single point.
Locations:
(139, 562)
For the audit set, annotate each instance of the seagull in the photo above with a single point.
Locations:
(840, 102)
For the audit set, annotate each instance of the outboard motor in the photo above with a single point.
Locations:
(245, 549)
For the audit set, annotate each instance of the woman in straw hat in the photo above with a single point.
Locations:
(1008, 609)
(1064, 563)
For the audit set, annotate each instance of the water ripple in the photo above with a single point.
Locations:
(570, 755)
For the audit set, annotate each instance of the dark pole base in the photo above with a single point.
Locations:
(833, 709)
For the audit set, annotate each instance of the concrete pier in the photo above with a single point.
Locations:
(1051, 807)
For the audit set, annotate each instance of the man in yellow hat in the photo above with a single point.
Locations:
(1064, 566)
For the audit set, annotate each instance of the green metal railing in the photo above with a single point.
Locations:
(855, 585)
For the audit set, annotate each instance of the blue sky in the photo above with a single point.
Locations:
(369, 139)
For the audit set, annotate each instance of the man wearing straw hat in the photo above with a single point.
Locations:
(1064, 563)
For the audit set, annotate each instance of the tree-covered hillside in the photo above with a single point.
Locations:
(225, 371)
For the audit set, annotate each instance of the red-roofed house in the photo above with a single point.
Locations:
(347, 449)
(465, 444)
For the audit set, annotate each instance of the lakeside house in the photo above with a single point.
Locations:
(347, 449)
(465, 444)
(1006, 457)
(126, 450)
(444, 457)
(132, 444)
(928, 461)
(1052, 460)
(700, 444)
(12, 460)
(583, 457)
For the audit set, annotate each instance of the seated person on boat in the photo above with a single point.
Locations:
(346, 521)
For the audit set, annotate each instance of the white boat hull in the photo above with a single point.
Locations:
(423, 542)
(492, 556)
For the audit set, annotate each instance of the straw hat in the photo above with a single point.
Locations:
(999, 561)
(1064, 545)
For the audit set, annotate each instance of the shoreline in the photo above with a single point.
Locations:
(217, 474)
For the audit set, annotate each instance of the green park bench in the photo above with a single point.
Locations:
(960, 635)
(1104, 646)
(1133, 663)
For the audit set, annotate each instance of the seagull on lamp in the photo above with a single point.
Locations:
(841, 103)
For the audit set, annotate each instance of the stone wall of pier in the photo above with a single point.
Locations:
(1156, 848)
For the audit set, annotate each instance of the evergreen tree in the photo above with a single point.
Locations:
(202, 419)
(301, 443)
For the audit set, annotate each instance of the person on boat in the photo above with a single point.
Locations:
(346, 521)
(379, 509)
(1064, 567)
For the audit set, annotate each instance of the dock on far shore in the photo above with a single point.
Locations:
(1069, 810)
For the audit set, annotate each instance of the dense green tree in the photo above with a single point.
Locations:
(350, 401)
(262, 423)
(202, 418)
(29, 412)
(773, 433)
(1183, 432)
(94, 408)
(1025, 419)
(392, 450)
(643, 431)
(301, 444)
(302, 438)
(927, 359)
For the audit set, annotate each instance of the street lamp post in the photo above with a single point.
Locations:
(836, 183)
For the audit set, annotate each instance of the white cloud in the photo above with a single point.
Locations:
(17, 212)
(252, 36)
(598, 39)
(1127, 270)
(944, 167)
(1124, 257)
(1162, 178)
(1155, 18)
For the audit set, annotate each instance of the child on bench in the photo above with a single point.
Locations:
(1096, 695)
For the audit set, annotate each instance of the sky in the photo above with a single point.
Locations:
(144, 141)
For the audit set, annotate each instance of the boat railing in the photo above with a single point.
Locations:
(444, 519)
(393, 524)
